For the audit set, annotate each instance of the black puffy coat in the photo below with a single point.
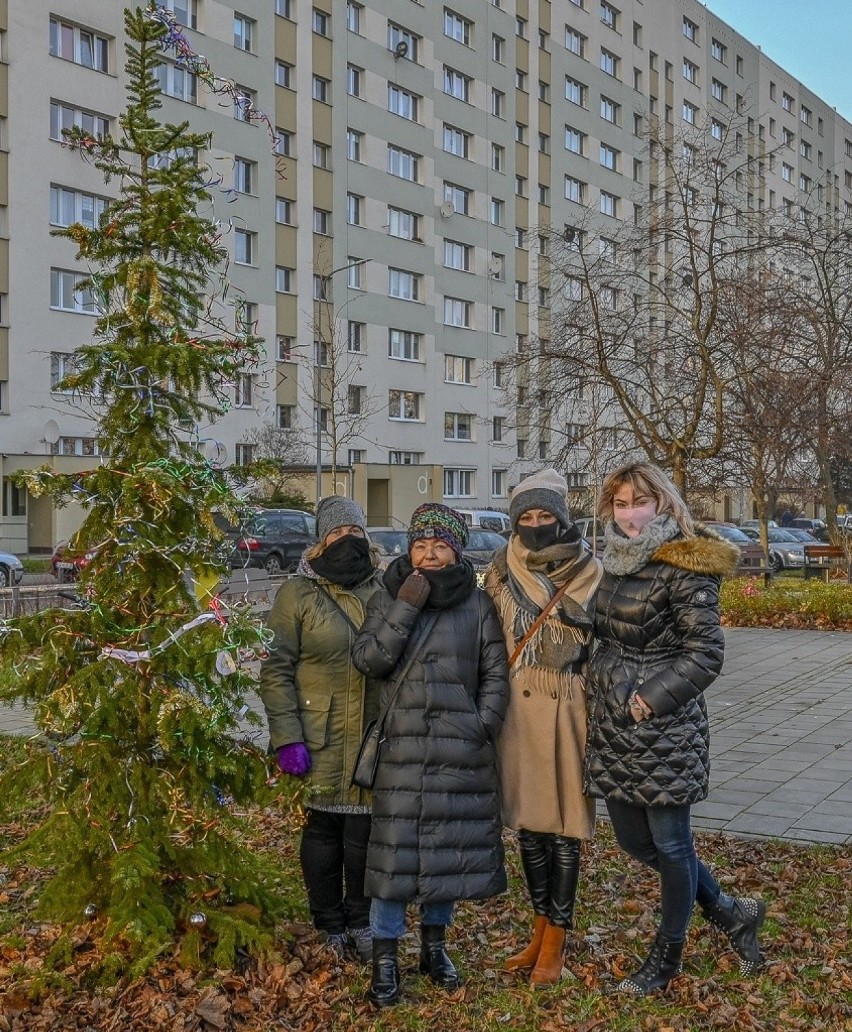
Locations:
(436, 830)
(657, 631)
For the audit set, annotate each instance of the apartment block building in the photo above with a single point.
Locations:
(387, 217)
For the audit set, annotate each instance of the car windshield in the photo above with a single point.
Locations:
(391, 542)
(730, 533)
(484, 541)
(779, 536)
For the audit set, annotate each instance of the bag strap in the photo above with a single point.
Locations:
(337, 606)
(542, 616)
(429, 623)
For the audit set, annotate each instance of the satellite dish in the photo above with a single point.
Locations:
(495, 266)
(400, 50)
(569, 233)
(50, 434)
(447, 209)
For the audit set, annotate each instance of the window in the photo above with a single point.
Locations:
(243, 390)
(404, 345)
(354, 144)
(739, 65)
(609, 63)
(64, 117)
(459, 197)
(690, 71)
(356, 335)
(498, 46)
(403, 43)
(498, 483)
(457, 256)
(456, 84)
(320, 353)
(544, 91)
(718, 50)
(576, 42)
(66, 295)
(498, 375)
(521, 80)
(403, 224)
(176, 82)
(286, 417)
(609, 110)
(575, 91)
(456, 27)
(403, 163)
(285, 279)
(243, 454)
(520, 186)
(543, 143)
(283, 348)
(498, 321)
(805, 149)
(354, 205)
(805, 114)
(67, 206)
(718, 90)
(284, 8)
(543, 193)
(521, 28)
(355, 272)
(320, 292)
(787, 102)
(690, 29)
(404, 285)
(609, 204)
(320, 22)
(573, 288)
(690, 112)
(322, 221)
(458, 369)
(459, 483)
(575, 190)
(284, 211)
(320, 89)
(403, 103)
(609, 15)
(404, 405)
(65, 446)
(353, 17)
(456, 141)
(245, 245)
(245, 173)
(458, 426)
(496, 211)
(520, 132)
(609, 157)
(805, 183)
(787, 137)
(62, 364)
(82, 46)
(497, 429)
(244, 29)
(498, 99)
(458, 312)
(244, 101)
(405, 458)
(520, 290)
(283, 142)
(354, 79)
(355, 397)
(498, 157)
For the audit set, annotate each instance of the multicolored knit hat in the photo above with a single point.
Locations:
(434, 520)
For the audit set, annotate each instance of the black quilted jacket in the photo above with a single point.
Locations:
(658, 631)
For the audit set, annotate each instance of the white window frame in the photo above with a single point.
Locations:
(456, 27)
(459, 483)
(245, 246)
(459, 369)
(458, 426)
(244, 32)
(458, 312)
(79, 45)
(65, 294)
(284, 209)
(457, 255)
(401, 161)
(64, 116)
(285, 280)
(403, 103)
(403, 224)
(354, 145)
(245, 175)
(404, 345)
(68, 206)
(404, 284)
(405, 406)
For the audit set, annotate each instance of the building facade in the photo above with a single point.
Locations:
(387, 207)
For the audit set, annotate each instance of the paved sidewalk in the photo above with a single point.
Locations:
(780, 740)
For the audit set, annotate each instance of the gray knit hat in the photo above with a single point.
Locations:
(544, 490)
(336, 511)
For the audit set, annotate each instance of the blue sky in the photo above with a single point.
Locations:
(812, 39)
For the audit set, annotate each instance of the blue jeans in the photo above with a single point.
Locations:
(661, 837)
(387, 917)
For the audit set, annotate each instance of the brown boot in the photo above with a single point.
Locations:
(526, 959)
(548, 968)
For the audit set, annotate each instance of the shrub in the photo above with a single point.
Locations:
(787, 603)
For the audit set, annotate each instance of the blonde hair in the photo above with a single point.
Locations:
(646, 479)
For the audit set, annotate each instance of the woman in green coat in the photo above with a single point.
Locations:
(317, 705)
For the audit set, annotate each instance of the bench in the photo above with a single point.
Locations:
(823, 560)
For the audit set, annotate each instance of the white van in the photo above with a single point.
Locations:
(487, 519)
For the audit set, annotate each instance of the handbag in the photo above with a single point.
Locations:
(539, 620)
(367, 759)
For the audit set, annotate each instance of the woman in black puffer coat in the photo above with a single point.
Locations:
(659, 646)
(436, 829)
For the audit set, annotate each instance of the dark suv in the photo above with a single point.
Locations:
(274, 540)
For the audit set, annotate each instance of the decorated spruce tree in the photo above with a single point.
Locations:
(138, 693)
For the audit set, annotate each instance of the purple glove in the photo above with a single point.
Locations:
(293, 759)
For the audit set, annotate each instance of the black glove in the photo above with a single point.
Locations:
(414, 590)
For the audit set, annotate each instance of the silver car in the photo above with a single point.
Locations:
(11, 570)
(785, 552)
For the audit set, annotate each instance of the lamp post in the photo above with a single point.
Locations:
(324, 297)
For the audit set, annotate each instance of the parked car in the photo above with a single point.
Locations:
(588, 525)
(805, 536)
(751, 554)
(11, 570)
(802, 523)
(785, 552)
(66, 563)
(755, 524)
(393, 542)
(487, 519)
(274, 540)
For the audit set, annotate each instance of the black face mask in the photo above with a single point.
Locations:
(542, 536)
(345, 561)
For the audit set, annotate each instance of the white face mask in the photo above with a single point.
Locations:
(632, 519)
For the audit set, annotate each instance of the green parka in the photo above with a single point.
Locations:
(311, 691)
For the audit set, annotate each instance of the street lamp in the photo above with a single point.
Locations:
(324, 296)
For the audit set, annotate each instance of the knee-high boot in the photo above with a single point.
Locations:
(535, 860)
(564, 877)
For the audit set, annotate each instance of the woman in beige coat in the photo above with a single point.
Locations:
(544, 736)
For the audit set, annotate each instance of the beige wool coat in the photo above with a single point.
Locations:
(541, 749)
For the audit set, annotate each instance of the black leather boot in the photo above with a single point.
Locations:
(740, 918)
(434, 960)
(564, 876)
(660, 967)
(384, 986)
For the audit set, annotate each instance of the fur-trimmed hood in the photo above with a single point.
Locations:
(707, 553)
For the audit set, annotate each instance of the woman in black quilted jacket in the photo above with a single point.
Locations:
(659, 646)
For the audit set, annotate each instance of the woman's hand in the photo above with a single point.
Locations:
(293, 759)
(639, 710)
(414, 590)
